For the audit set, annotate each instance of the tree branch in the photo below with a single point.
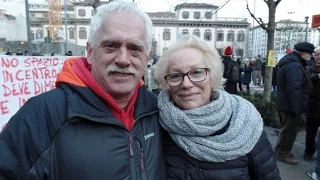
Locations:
(259, 21)
(277, 2)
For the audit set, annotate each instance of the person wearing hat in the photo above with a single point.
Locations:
(292, 97)
(229, 66)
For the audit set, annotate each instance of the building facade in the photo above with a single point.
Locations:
(199, 19)
(287, 34)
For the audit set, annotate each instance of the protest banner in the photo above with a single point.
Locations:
(23, 77)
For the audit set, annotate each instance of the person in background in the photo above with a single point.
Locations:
(314, 114)
(154, 82)
(228, 63)
(257, 71)
(263, 69)
(9, 53)
(274, 79)
(99, 122)
(208, 133)
(292, 98)
(239, 61)
(247, 75)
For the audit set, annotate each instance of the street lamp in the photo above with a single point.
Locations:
(290, 28)
(306, 20)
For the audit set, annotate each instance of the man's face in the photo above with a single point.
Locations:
(306, 56)
(317, 58)
(119, 55)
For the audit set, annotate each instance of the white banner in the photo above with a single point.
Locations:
(23, 77)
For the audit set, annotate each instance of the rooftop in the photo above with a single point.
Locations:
(196, 5)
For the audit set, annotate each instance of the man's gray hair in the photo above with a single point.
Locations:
(106, 10)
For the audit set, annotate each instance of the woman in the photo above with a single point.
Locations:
(239, 61)
(208, 133)
(247, 75)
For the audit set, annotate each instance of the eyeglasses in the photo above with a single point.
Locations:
(195, 75)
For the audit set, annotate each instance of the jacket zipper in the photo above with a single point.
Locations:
(132, 164)
(142, 166)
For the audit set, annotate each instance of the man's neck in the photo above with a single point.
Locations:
(122, 100)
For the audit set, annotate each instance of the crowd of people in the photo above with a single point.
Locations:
(102, 122)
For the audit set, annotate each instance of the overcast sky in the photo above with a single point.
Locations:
(234, 8)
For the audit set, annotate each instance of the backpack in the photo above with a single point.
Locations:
(233, 72)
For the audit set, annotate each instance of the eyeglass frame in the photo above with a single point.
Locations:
(186, 74)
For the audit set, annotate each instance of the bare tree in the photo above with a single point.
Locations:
(270, 28)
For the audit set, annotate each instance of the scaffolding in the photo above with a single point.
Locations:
(55, 21)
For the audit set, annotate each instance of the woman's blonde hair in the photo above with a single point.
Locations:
(210, 56)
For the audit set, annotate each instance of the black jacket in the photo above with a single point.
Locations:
(259, 164)
(314, 92)
(69, 133)
(292, 84)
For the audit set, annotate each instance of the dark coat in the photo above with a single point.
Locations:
(314, 91)
(69, 133)
(247, 75)
(230, 87)
(274, 75)
(292, 84)
(258, 164)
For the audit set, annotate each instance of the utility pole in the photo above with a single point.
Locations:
(306, 20)
(28, 27)
(65, 27)
(289, 36)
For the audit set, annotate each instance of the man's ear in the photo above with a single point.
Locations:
(89, 51)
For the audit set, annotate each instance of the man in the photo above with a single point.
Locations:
(314, 114)
(292, 97)
(257, 71)
(100, 122)
(231, 71)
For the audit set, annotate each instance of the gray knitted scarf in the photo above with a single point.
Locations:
(192, 130)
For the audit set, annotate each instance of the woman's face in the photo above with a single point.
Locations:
(189, 94)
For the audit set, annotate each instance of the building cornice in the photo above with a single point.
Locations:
(221, 24)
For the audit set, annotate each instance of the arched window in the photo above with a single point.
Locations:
(208, 35)
(82, 12)
(185, 32)
(32, 34)
(166, 34)
(71, 33)
(82, 33)
(240, 36)
(230, 36)
(196, 32)
(39, 34)
(220, 35)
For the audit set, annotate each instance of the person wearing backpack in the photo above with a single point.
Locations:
(231, 72)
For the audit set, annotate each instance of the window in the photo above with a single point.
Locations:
(196, 32)
(220, 35)
(185, 32)
(208, 15)
(92, 12)
(185, 14)
(208, 35)
(164, 49)
(82, 12)
(239, 52)
(240, 36)
(32, 15)
(230, 36)
(39, 34)
(32, 35)
(196, 15)
(166, 34)
(45, 14)
(71, 33)
(82, 33)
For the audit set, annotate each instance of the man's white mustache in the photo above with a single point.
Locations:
(127, 70)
